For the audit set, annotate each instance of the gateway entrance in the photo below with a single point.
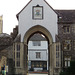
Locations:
(32, 31)
(22, 63)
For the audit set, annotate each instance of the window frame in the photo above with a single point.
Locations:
(18, 55)
(38, 55)
(66, 29)
(57, 63)
(18, 63)
(67, 61)
(36, 43)
(18, 47)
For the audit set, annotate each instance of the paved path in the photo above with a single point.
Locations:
(37, 74)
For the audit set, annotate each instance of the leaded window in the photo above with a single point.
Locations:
(18, 63)
(18, 47)
(18, 54)
(57, 63)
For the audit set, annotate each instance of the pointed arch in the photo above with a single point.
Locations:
(40, 29)
(31, 32)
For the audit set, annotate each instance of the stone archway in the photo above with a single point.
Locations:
(27, 35)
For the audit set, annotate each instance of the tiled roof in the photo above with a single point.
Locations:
(66, 15)
(38, 37)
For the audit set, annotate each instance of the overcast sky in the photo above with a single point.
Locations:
(9, 9)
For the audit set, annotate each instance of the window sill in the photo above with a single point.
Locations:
(67, 33)
(67, 50)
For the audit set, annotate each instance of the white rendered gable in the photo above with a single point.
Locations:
(49, 20)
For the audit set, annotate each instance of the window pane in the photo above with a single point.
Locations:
(57, 47)
(41, 64)
(57, 54)
(45, 64)
(32, 64)
(36, 43)
(68, 63)
(18, 54)
(37, 64)
(18, 63)
(66, 29)
(18, 47)
(38, 55)
(14, 63)
(14, 55)
(57, 63)
(65, 63)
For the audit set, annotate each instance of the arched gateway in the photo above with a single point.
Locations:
(44, 31)
(40, 29)
(21, 62)
(37, 17)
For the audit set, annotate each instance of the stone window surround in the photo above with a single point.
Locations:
(66, 29)
(67, 60)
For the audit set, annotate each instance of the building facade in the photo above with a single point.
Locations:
(66, 28)
(37, 17)
(38, 46)
(58, 28)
